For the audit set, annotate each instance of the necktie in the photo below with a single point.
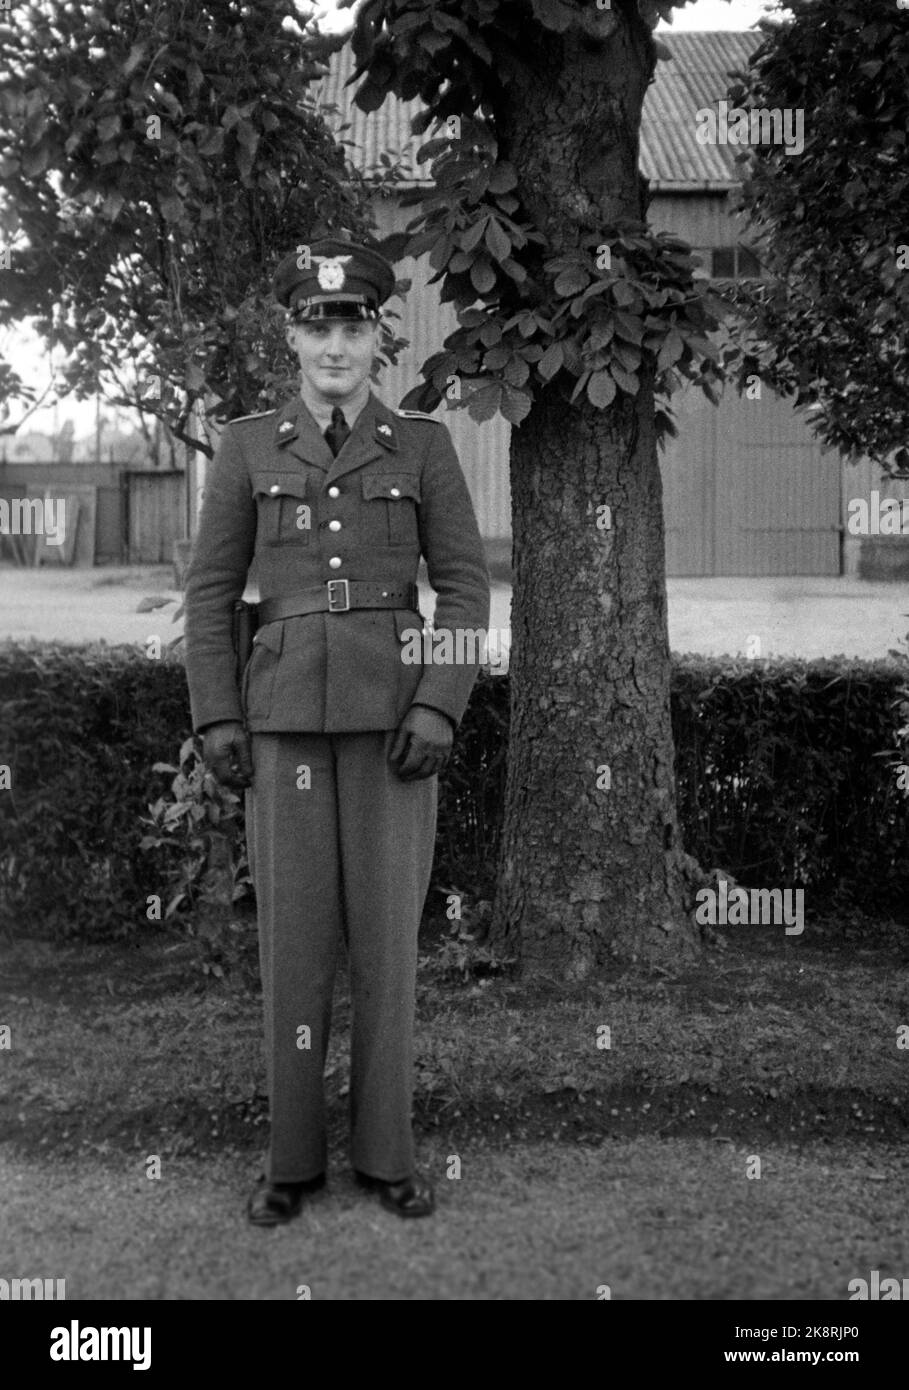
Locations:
(338, 431)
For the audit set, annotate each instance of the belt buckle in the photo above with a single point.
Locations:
(344, 605)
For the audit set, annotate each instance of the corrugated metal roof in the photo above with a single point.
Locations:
(671, 158)
(697, 76)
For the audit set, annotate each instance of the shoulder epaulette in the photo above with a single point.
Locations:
(417, 415)
(258, 415)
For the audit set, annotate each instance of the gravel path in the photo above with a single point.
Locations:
(653, 1220)
(793, 617)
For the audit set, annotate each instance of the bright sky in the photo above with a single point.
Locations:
(717, 14)
(703, 14)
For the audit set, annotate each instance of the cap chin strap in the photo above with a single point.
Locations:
(323, 306)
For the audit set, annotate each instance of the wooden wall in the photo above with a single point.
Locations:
(746, 490)
(482, 449)
(155, 513)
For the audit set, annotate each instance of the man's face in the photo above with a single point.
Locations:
(336, 355)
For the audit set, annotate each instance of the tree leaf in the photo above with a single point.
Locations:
(626, 380)
(34, 160)
(247, 135)
(551, 361)
(553, 14)
(484, 403)
(515, 405)
(134, 58)
(490, 333)
(497, 240)
(171, 207)
(625, 294)
(571, 281)
(580, 384)
(600, 389)
(628, 327)
(496, 358)
(474, 235)
(112, 204)
(502, 178)
(600, 336)
(482, 276)
(108, 128)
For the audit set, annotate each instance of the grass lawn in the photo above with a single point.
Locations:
(580, 1165)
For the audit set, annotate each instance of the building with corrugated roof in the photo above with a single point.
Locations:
(747, 488)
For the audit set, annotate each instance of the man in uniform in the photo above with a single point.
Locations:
(337, 739)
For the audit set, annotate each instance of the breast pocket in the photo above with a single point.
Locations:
(390, 502)
(284, 504)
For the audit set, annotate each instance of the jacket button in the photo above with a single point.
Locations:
(396, 492)
(334, 492)
(334, 526)
(275, 487)
(335, 562)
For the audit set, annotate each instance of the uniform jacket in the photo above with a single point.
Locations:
(394, 492)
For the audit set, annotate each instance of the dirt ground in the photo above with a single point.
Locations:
(791, 617)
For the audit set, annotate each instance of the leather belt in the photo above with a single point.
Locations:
(339, 596)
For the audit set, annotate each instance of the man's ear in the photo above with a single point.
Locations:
(289, 334)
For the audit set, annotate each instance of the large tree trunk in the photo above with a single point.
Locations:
(592, 867)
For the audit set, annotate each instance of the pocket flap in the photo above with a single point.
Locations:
(392, 486)
(272, 484)
(271, 637)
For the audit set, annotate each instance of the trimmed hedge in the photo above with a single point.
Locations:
(784, 775)
(781, 771)
(81, 728)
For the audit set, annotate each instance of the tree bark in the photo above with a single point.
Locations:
(592, 868)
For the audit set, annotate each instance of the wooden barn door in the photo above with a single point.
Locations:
(155, 512)
(687, 465)
(747, 491)
(778, 506)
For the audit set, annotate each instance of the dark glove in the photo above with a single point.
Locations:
(226, 751)
(421, 744)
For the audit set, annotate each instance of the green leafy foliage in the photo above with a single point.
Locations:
(769, 787)
(897, 756)
(831, 322)
(599, 314)
(199, 819)
(780, 775)
(83, 729)
(157, 162)
(461, 956)
(464, 953)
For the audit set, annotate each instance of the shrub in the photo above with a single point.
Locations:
(83, 728)
(782, 774)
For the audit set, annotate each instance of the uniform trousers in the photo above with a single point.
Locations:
(343, 854)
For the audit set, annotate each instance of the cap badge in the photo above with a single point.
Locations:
(331, 271)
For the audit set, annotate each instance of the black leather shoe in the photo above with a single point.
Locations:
(272, 1203)
(411, 1196)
